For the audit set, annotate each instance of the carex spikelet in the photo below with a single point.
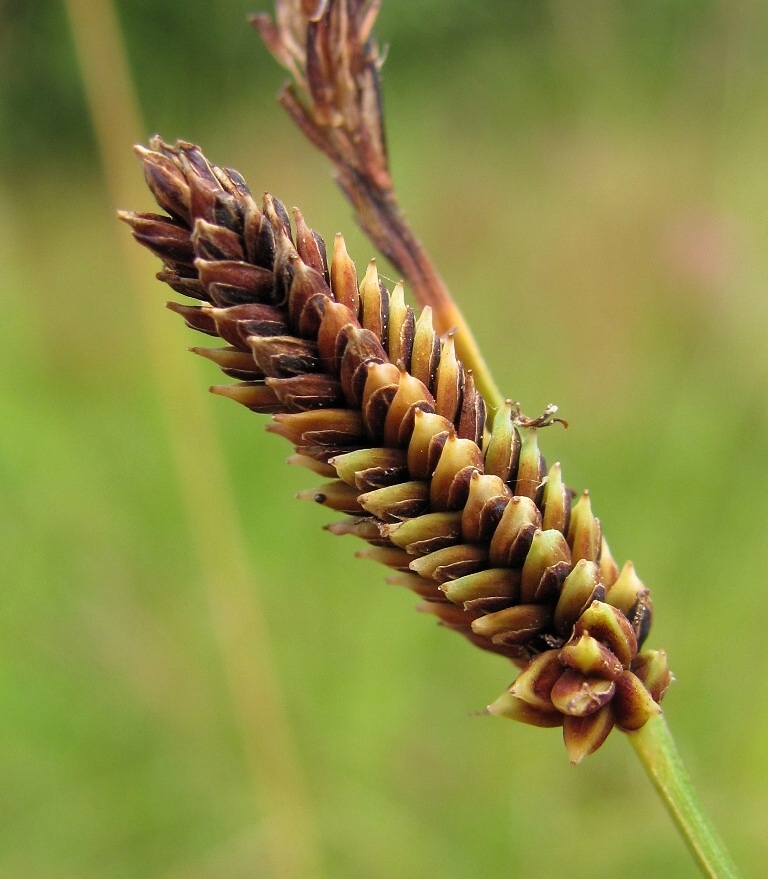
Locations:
(378, 404)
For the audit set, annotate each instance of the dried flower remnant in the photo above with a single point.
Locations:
(379, 405)
(335, 98)
(330, 52)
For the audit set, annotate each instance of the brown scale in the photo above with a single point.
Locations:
(375, 401)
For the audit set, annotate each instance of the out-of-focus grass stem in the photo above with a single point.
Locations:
(240, 630)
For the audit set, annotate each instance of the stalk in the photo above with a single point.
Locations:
(657, 751)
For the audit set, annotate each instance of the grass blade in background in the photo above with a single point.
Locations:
(226, 571)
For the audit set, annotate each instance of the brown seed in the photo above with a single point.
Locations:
(531, 467)
(397, 502)
(510, 706)
(471, 421)
(283, 356)
(337, 426)
(391, 556)
(513, 535)
(238, 282)
(237, 322)
(487, 499)
(310, 246)
(547, 564)
(584, 735)
(401, 330)
(374, 302)
(580, 588)
(411, 394)
(633, 706)
(365, 527)
(165, 238)
(514, 625)
(448, 381)
(579, 695)
(212, 242)
(361, 348)
(336, 494)
(307, 298)
(367, 469)
(534, 684)
(451, 562)
(344, 276)
(458, 460)
(587, 655)
(196, 317)
(652, 669)
(501, 457)
(430, 432)
(426, 533)
(584, 532)
(310, 391)
(611, 627)
(254, 395)
(426, 589)
(233, 362)
(167, 183)
(490, 589)
(426, 349)
(378, 392)
(556, 501)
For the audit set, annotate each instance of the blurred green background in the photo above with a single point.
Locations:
(186, 697)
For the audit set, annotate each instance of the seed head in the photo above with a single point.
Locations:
(375, 402)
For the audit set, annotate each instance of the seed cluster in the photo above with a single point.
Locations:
(377, 403)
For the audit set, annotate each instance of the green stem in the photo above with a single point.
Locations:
(659, 755)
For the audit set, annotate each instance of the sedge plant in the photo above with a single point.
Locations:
(396, 411)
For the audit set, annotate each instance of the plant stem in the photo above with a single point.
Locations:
(658, 753)
(290, 840)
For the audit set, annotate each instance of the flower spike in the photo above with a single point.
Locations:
(378, 404)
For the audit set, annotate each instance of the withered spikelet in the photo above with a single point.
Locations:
(374, 401)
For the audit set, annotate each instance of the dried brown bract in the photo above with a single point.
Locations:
(335, 97)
